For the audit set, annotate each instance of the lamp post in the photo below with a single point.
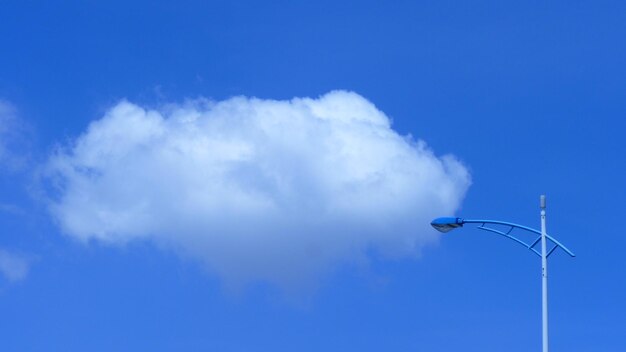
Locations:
(450, 223)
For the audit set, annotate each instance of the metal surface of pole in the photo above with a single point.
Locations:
(544, 276)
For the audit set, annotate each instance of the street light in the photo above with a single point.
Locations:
(450, 223)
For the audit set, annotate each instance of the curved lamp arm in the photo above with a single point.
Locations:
(450, 223)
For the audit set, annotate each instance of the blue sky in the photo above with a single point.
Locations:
(528, 97)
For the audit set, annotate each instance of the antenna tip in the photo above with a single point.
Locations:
(543, 201)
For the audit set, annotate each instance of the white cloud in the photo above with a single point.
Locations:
(13, 266)
(256, 189)
(6, 117)
(13, 143)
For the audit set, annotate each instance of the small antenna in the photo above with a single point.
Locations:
(542, 201)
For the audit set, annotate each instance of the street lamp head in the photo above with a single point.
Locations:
(446, 224)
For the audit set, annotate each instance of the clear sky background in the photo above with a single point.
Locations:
(529, 97)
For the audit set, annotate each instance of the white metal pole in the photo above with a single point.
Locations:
(544, 276)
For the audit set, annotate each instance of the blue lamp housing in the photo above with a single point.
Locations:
(446, 224)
